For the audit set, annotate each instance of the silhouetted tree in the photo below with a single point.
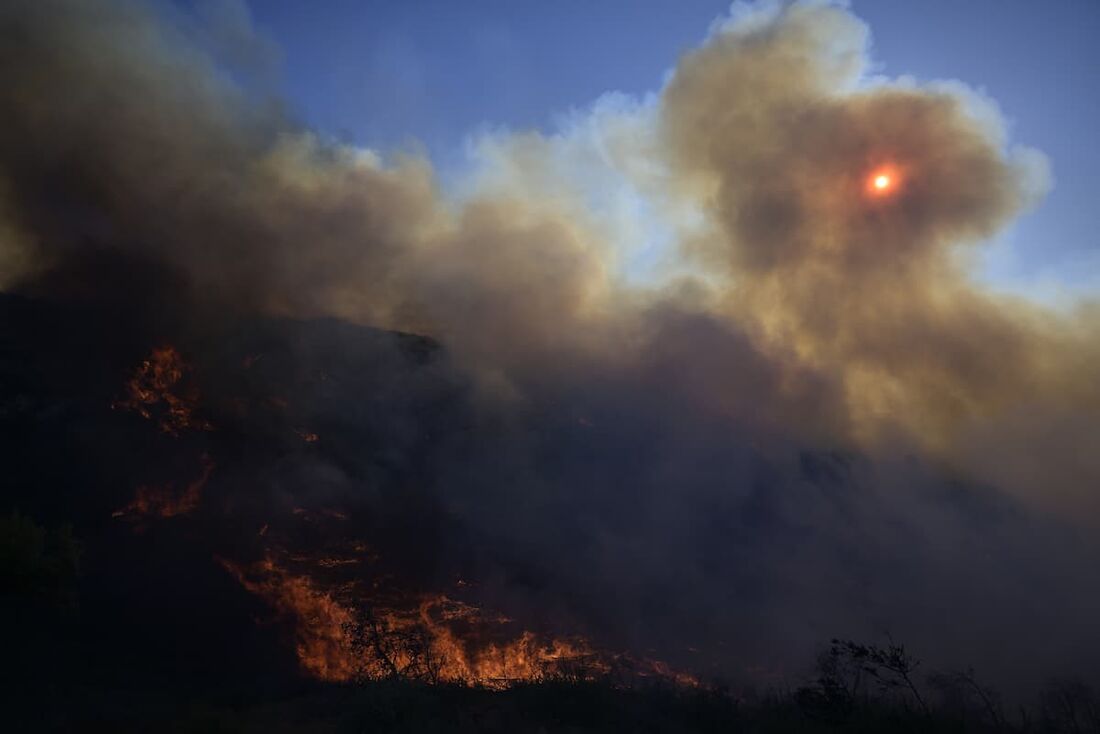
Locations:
(384, 650)
(962, 686)
(891, 667)
(847, 669)
(38, 566)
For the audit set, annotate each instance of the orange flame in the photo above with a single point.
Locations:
(429, 638)
(157, 392)
(163, 502)
(320, 621)
(338, 635)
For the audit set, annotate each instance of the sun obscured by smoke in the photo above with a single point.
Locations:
(771, 128)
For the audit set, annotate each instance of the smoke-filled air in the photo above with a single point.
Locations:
(408, 423)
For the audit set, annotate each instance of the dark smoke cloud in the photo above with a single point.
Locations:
(813, 438)
(767, 125)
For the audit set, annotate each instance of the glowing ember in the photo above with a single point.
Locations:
(159, 391)
(307, 436)
(164, 501)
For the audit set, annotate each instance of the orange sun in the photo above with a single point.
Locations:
(882, 182)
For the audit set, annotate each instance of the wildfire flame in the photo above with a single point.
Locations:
(163, 501)
(321, 622)
(159, 391)
(341, 632)
(432, 638)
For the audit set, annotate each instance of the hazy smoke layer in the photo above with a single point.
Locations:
(785, 440)
(768, 126)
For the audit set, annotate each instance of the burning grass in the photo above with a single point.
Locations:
(164, 501)
(340, 636)
(162, 390)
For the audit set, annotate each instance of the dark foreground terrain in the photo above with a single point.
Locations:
(550, 706)
(62, 675)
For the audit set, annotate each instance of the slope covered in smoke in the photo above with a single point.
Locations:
(327, 444)
(820, 425)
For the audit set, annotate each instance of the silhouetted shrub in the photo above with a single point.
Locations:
(37, 565)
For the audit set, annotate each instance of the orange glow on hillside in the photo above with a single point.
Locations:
(347, 621)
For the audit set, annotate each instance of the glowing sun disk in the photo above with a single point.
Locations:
(882, 182)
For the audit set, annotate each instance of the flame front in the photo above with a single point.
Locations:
(321, 623)
(431, 638)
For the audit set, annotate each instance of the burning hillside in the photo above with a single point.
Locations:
(348, 630)
(351, 616)
(347, 482)
(433, 639)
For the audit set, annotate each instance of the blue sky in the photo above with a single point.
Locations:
(386, 73)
